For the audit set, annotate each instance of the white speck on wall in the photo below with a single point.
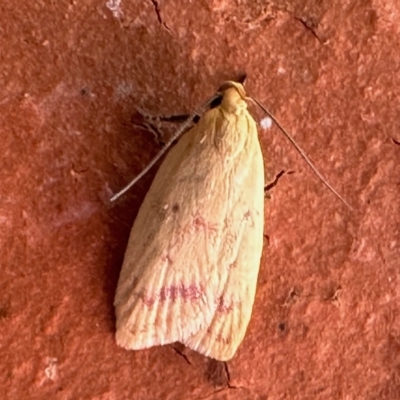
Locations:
(114, 6)
(51, 371)
(266, 123)
(123, 90)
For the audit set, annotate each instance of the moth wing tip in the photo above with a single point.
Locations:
(125, 339)
(212, 350)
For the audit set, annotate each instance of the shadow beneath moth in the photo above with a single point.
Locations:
(190, 269)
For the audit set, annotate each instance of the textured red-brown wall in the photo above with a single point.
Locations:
(326, 320)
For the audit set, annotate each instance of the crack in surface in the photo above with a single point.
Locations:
(158, 13)
(274, 182)
(184, 356)
(311, 26)
(228, 377)
(212, 394)
(227, 385)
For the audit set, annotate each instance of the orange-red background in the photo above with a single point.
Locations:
(326, 321)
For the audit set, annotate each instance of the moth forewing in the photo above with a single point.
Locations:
(221, 339)
(191, 265)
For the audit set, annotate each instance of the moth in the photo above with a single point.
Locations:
(190, 269)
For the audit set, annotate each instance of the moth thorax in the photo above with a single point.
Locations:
(233, 101)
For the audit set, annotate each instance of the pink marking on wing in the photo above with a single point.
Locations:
(247, 215)
(200, 223)
(171, 292)
(219, 338)
(190, 292)
(166, 258)
(224, 307)
(222, 339)
(148, 300)
(232, 265)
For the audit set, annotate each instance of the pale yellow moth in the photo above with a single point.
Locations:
(190, 269)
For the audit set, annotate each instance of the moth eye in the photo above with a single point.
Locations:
(175, 208)
(216, 102)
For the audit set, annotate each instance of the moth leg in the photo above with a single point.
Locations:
(155, 124)
(272, 184)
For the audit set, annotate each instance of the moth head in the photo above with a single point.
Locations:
(233, 96)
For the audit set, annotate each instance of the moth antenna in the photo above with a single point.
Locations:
(178, 133)
(302, 153)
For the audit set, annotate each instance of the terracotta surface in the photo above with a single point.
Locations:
(326, 321)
